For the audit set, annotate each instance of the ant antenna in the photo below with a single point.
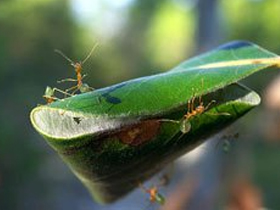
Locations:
(92, 49)
(202, 84)
(63, 55)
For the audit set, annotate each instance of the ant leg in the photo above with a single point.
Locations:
(189, 107)
(75, 91)
(61, 91)
(192, 103)
(215, 114)
(168, 120)
(200, 97)
(72, 88)
(67, 80)
(209, 104)
(141, 186)
(200, 101)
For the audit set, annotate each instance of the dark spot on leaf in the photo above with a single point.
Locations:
(112, 99)
(140, 133)
(133, 135)
(235, 45)
(77, 119)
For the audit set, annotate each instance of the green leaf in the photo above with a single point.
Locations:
(116, 137)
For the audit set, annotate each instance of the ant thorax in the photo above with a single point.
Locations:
(194, 111)
(200, 109)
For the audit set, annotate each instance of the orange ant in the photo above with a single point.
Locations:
(164, 180)
(155, 196)
(82, 87)
(49, 94)
(185, 125)
(194, 111)
(227, 141)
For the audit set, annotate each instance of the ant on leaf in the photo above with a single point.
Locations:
(185, 125)
(193, 111)
(82, 87)
(49, 94)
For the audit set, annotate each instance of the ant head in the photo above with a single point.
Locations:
(77, 66)
(152, 189)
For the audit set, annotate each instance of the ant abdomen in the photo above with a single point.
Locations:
(185, 125)
(85, 88)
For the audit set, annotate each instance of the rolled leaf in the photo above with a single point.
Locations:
(116, 137)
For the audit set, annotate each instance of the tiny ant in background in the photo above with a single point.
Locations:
(153, 191)
(227, 141)
(82, 87)
(155, 196)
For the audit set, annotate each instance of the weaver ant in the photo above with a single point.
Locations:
(185, 125)
(155, 196)
(193, 111)
(227, 141)
(82, 87)
(49, 94)
(153, 191)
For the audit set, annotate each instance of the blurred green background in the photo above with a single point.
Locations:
(136, 38)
